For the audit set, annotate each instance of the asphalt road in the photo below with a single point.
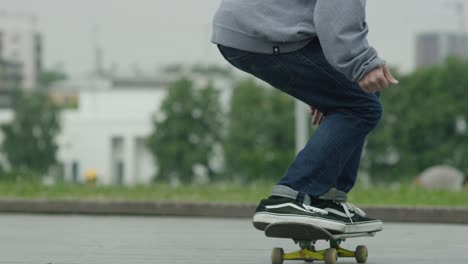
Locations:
(106, 240)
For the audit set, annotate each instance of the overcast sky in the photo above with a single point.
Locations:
(151, 33)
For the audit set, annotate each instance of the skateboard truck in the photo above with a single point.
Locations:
(308, 253)
(306, 236)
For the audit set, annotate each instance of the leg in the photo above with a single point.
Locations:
(332, 151)
(335, 148)
(348, 176)
(351, 115)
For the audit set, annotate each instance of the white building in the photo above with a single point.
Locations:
(106, 134)
(20, 42)
(433, 48)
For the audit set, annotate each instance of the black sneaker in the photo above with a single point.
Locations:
(355, 219)
(285, 210)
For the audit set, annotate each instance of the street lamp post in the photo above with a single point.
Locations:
(302, 128)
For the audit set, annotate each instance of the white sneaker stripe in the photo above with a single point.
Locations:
(308, 210)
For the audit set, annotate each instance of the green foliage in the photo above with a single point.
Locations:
(221, 192)
(173, 68)
(48, 78)
(260, 137)
(208, 126)
(204, 70)
(29, 140)
(22, 175)
(419, 127)
(187, 132)
(418, 130)
(212, 70)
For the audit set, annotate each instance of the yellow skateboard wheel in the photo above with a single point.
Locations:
(331, 256)
(361, 254)
(277, 256)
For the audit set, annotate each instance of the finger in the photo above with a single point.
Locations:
(363, 85)
(316, 118)
(374, 86)
(383, 83)
(312, 120)
(380, 83)
(373, 90)
(320, 119)
(368, 88)
(389, 76)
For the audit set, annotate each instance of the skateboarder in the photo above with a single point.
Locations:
(316, 51)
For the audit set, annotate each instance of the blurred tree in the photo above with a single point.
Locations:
(212, 70)
(173, 69)
(280, 127)
(48, 78)
(260, 137)
(29, 140)
(209, 71)
(208, 126)
(188, 131)
(424, 123)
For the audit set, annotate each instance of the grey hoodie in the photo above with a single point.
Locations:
(266, 26)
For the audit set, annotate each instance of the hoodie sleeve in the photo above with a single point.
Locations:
(342, 29)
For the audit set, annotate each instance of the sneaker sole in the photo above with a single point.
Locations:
(262, 220)
(367, 227)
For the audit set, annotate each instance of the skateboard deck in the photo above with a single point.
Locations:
(307, 232)
(306, 236)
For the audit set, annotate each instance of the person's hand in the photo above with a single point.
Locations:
(377, 80)
(317, 116)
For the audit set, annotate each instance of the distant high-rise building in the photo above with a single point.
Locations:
(10, 78)
(21, 44)
(10, 71)
(434, 48)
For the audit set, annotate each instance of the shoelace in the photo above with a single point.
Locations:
(356, 209)
(346, 209)
(349, 207)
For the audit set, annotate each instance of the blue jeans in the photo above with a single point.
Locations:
(330, 160)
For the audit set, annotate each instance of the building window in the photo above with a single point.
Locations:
(61, 172)
(75, 172)
(120, 173)
(117, 161)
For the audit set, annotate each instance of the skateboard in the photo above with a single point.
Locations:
(306, 236)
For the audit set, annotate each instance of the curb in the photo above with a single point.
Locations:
(216, 210)
(138, 208)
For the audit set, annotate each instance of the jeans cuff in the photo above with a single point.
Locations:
(285, 191)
